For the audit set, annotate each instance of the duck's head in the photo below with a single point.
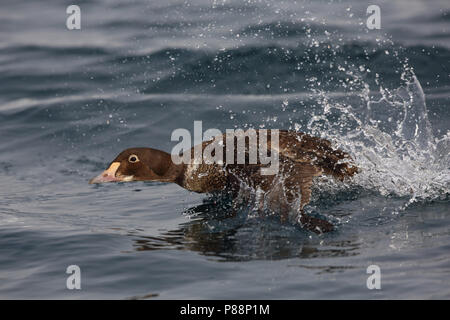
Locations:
(136, 164)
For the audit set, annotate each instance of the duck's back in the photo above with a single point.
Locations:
(301, 157)
(303, 148)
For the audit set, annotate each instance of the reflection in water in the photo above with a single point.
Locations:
(217, 229)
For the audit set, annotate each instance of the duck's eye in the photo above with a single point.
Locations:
(133, 158)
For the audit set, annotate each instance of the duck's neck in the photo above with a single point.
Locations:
(163, 165)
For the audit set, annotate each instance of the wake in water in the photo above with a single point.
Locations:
(391, 140)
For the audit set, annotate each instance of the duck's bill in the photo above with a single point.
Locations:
(109, 175)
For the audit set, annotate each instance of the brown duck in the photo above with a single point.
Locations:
(301, 158)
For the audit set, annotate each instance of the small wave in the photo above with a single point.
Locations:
(286, 29)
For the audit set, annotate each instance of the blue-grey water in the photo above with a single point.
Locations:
(70, 100)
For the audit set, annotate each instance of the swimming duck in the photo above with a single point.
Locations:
(301, 158)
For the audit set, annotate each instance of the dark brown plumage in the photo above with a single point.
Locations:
(301, 158)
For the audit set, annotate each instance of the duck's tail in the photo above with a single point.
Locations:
(302, 147)
(336, 163)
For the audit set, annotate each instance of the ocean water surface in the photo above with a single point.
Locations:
(71, 100)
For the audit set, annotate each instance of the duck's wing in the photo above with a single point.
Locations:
(305, 155)
(298, 147)
(303, 148)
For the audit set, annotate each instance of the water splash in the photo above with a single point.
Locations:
(391, 139)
